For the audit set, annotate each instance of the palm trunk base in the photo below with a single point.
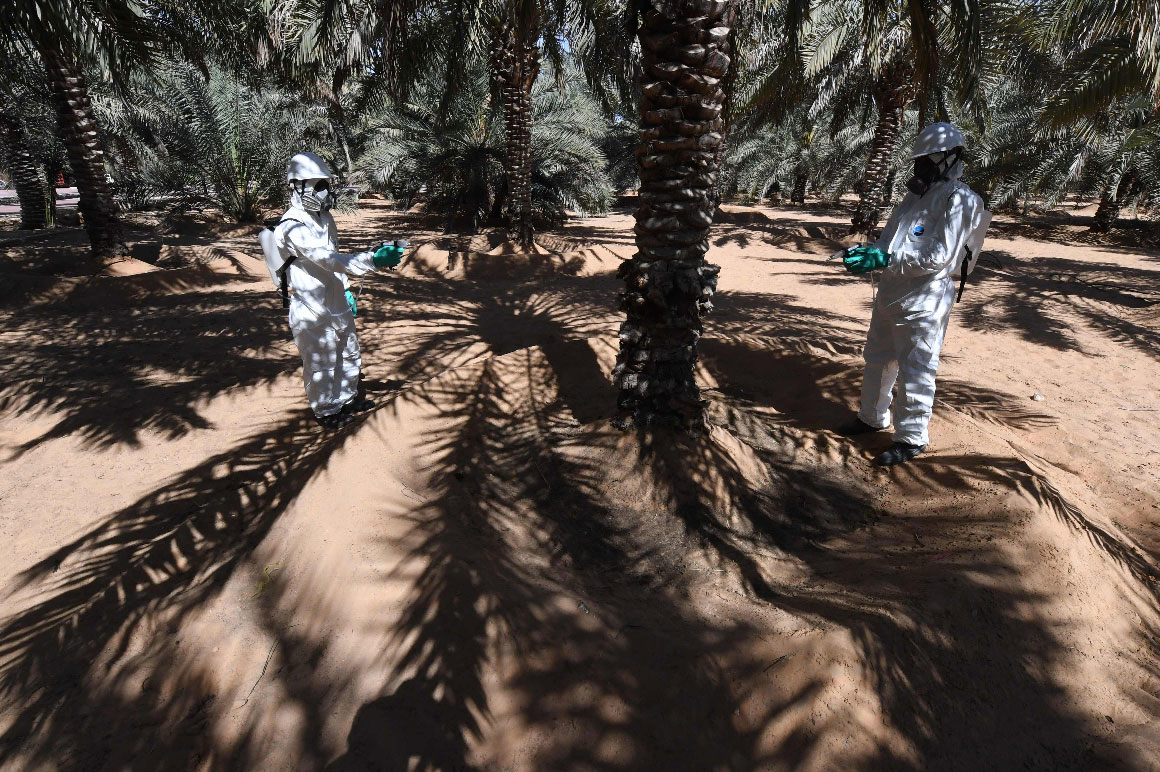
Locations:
(669, 285)
(1112, 202)
(1106, 214)
(867, 215)
(663, 303)
(798, 196)
(86, 155)
(37, 198)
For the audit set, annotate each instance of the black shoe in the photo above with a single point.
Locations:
(899, 453)
(358, 405)
(854, 427)
(334, 422)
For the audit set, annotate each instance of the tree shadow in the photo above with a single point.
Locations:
(115, 366)
(1040, 299)
(515, 463)
(67, 661)
(817, 393)
(575, 554)
(809, 236)
(1136, 236)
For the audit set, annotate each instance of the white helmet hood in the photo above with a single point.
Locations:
(303, 171)
(308, 166)
(937, 137)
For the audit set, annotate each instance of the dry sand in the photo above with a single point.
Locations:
(483, 574)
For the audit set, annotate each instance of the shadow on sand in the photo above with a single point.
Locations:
(572, 551)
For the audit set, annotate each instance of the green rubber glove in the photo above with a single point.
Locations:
(350, 302)
(861, 260)
(388, 256)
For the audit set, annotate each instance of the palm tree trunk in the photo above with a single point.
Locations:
(85, 154)
(669, 285)
(800, 179)
(892, 92)
(1111, 203)
(888, 188)
(50, 176)
(515, 63)
(37, 198)
(1106, 213)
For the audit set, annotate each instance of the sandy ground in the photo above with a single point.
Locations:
(483, 574)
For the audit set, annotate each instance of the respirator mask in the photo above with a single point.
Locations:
(929, 169)
(320, 198)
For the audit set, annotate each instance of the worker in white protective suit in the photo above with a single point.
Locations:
(938, 224)
(304, 261)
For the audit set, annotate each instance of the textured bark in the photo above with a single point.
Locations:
(37, 198)
(515, 64)
(893, 91)
(798, 195)
(888, 188)
(669, 285)
(86, 156)
(1111, 203)
(1106, 213)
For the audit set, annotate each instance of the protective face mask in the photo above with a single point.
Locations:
(926, 171)
(320, 199)
(929, 169)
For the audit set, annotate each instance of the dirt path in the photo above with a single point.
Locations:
(483, 574)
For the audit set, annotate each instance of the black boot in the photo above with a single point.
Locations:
(336, 421)
(854, 427)
(899, 453)
(358, 405)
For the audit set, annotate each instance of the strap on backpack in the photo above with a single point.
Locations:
(963, 274)
(283, 283)
(282, 278)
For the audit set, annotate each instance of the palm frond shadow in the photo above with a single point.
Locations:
(600, 612)
(1042, 299)
(805, 236)
(571, 553)
(111, 371)
(151, 564)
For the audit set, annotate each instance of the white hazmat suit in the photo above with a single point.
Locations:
(320, 317)
(927, 237)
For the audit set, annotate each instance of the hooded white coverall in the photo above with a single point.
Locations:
(927, 237)
(320, 318)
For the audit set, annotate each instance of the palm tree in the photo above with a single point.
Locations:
(1116, 54)
(1024, 155)
(865, 55)
(521, 34)
(859, 73)
(86, 153)
(668, 283)
(515, 64)
(395, 45)
(1113, 200)
(893, 90)
(37, 198)
(62, 36)
(765, 159)
(113, 37)
(210, 142)
(458, 153)
(28, 140)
